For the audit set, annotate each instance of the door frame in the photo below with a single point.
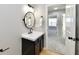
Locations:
(46, 25)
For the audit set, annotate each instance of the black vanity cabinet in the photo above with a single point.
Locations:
(32, 47)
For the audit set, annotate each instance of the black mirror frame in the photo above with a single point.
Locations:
(25, 23)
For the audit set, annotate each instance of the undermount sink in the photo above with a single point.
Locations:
(33, 36)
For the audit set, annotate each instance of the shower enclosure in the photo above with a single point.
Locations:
(61, 28)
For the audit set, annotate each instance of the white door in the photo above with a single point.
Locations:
(70, 29)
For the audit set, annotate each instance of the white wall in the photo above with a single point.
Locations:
(39, 11)
(11, 26)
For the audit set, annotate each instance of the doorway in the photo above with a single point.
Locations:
(61, 28)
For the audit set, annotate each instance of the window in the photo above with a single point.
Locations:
(52, 21)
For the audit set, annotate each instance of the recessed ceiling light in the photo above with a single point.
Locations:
(68, 6)
(55, 8)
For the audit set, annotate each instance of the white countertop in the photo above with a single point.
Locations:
(33, 36)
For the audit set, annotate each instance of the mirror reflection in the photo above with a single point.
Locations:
(29, 21)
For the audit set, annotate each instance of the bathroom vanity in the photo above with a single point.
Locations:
(32, 44)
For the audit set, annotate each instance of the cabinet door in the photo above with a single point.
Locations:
(27, 47)
(37, 49)
(41, 42)
(29, 51)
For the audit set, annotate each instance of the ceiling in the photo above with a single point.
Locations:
(52, 7)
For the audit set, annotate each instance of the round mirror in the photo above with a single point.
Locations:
(29, 20)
